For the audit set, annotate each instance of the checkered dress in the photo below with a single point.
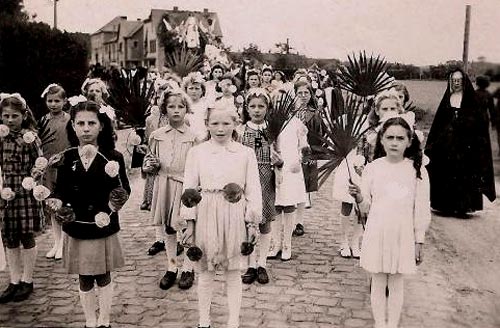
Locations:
(23, 214)
(255, 139)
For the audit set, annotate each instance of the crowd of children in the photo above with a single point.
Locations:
(208, 139)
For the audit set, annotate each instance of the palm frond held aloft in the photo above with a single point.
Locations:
(279, 114)
(183, 61)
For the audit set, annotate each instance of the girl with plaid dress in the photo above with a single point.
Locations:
(21, 212)
(257, 103)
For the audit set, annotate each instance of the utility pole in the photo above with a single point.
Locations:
(465, 58)
(55, 13)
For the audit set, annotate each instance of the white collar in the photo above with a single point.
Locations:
(257, 127)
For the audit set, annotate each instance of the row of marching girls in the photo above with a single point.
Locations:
(384, 179)
(81, 151)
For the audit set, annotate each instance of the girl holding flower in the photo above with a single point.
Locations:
(55, 123)
(92, 185)
(20, 210)
(223, 219)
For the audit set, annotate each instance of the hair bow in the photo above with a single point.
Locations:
(257, 92)
(267, 67)
(75, 100)
(409, 118)
(46, 90)
(193, 77)
(16, 95)
(110, 112)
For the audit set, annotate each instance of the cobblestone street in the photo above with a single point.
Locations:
(317, 288)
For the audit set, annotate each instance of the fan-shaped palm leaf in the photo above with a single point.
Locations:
(364, 76)
(131, 98)
(345, 123)
(280, 114)
(182, 61)
(45, 134)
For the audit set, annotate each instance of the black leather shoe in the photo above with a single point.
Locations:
(168, 280)
(299, 230)
(262, 276)
(187, 279)
(23, 292)
(9, 293)
(145, 207)
(157, 247)
(250, 276)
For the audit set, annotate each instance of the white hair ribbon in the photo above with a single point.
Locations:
(44, 93)
(13, 95)
(75, 100)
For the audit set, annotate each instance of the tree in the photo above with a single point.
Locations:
(12, 9)
(252, 51)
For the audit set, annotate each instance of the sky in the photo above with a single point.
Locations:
(420, 32)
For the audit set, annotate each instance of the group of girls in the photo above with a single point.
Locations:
(57, 176)
(270, 184)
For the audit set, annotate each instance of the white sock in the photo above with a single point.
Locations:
(234, 294)
(378, 299)
(276, 230)
(395, 301)
(160, 233)
(171, 250)
(299, 215)
(263, 249)
(14, 259)
(345, 224)
(29, 259)
(59, 240)
(288, 226)
(205, 285)
(105, 301)
(55, 236)
(252, 259)
(89, 304)
(187, 264)
(356, 235)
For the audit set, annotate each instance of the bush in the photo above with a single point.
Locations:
(33, 55)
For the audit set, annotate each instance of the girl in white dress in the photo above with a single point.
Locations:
(395, 194)
(218, 223)
(194, 86)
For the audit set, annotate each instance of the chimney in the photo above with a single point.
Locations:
(205, 10)
(176, 8)
(123, 17)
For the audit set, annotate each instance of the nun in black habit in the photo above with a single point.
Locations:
(458, 146)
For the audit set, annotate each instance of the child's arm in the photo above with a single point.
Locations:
(422, 213)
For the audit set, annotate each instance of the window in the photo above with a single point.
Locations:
(120, 47)
(152, 46)
(135, 44)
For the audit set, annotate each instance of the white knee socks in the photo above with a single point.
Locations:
(276, 230)
(345, 224)
(29, 259)
(395, 301)
(288, 226)
(89, 304)
(105, 301)
(234, 294)
(171, 251)
(56, 250)
(263, 249)
(378, 299)
(14, 259)
(299, 216)
(205, 285)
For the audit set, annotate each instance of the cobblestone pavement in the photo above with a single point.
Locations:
(317, 288)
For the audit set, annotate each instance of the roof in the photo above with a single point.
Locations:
(129, 28)
(111, 26)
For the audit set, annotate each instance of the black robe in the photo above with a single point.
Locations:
(458, 146)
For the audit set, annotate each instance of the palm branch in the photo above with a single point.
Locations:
(280, 114)
(45, 134)
(364, 76)
(183, 61)
(131, 98)
(344, 125)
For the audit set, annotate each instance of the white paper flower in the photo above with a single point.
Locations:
(240, 99)
(29, 137)
(41, 163)
(323, 72)
(425, 160)
(7, 194)
(112, 168)
(314, 85)
(321, 101)
(135, 139)
(28, 183)
(102, 219)
(4, 130)
(319, 92)
(232, 88)
(41, 192)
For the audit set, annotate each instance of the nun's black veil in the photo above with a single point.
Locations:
(459, 149)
